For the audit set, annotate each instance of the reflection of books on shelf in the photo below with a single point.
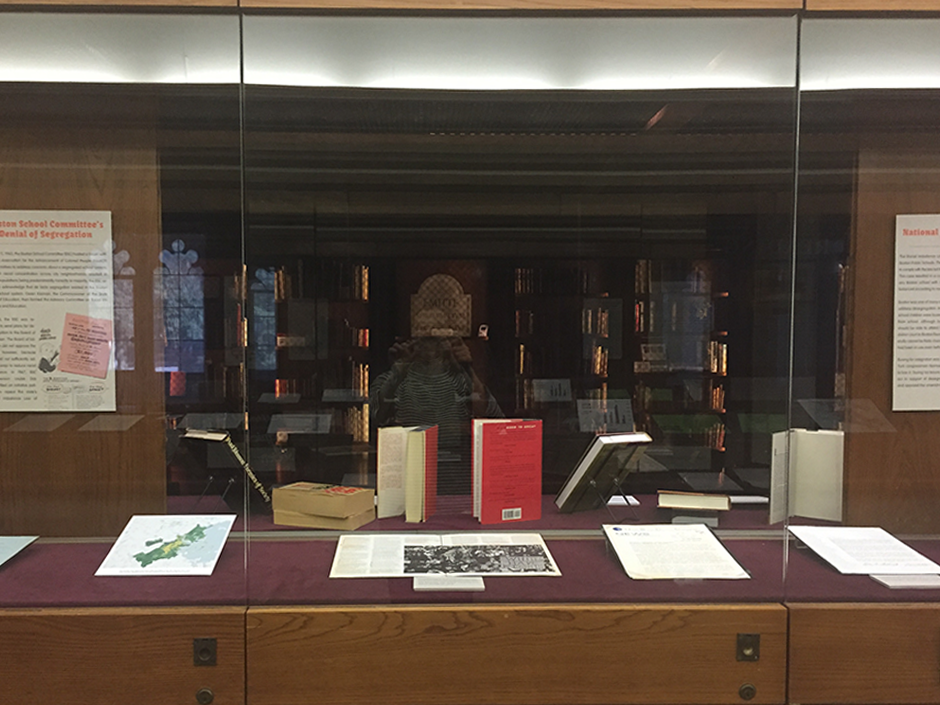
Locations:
(717, 357)
(420, 473)
(345, 395)
(323, 506)
(551, 390)
(605, 415)
(653, 351)
(382, 555)
(11, 545)
(507, 470)
(601, 471)
(670, 552)
(694, 501)
(187, 544)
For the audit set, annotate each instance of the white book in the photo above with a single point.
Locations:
(696, 501)
(390, 471)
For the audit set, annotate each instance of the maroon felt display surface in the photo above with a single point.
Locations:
(291, 567)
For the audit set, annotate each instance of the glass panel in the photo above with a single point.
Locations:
(121, 176)
(863, 433)
(422, 252)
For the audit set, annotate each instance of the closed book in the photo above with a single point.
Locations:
(420, 473)
(313, 521)
(322, 499)
(601, 471)
(390, 470)
(697, 501)
(507, 470)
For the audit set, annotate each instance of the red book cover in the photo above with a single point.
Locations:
(507, 465)
(430, 472)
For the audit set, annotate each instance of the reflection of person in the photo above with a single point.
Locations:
(432, 382)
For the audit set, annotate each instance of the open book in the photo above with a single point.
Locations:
(601, 471)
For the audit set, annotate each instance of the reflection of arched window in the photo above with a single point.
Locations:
(262, 331)
(124, 356)
(178, 289)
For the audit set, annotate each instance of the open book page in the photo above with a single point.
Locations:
(864, 550)
(672, 552)
(375, 555)
(399, 555)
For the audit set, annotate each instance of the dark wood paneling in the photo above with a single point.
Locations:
(69, 482)
(862, 653)
(891, 479)
(538, 655)
(140, 656)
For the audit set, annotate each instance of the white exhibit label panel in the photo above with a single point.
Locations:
(916, 383)
(56, 311)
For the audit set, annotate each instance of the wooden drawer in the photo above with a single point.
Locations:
(134, 655)
(530, 655)
(864, 653)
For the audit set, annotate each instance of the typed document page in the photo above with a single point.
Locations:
(672, 552)
(864, 550)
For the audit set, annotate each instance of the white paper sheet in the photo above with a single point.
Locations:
(405, 555)
(11, 545)
(864, 550)
(672, 552)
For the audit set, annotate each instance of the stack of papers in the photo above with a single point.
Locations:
(864, 550)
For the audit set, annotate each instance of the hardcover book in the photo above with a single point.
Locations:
(601, 471)
(390, 470)
(420, 473)
(507, 470)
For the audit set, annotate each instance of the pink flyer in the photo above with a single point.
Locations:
(86, 346)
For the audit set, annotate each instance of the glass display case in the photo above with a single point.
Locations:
(311, 320)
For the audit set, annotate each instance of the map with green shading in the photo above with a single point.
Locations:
(168, 545)
(170, 549)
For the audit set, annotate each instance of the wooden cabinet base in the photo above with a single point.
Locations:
(864, 653)
(508, 655)
(135, 655)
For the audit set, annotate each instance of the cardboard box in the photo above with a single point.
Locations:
(316, 499)
(313, 521)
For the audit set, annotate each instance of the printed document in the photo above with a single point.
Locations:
(864, 550)
(11, 545)
(406, 555)
(672, 552)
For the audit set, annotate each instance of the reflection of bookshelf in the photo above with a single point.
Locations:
(681, 356)
(322, 320)
(568, 325)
